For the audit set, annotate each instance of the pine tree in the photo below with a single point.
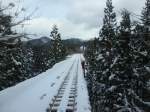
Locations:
(102, 58)
(5, 27)
(121, 69)
(91, 55)
(15, 60)
(58, 48)
(109, 23)
(119, 66)
(146, 20)
(13, 66)
(125, 32)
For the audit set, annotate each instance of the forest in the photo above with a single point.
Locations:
(119, 63)
(117, 59)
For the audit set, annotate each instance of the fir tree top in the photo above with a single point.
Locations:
(125, 24)
(55, 34)
(109, 22)
(146, 13)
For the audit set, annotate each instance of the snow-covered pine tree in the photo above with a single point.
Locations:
(14, 59)
(102, 57)
(109, 23)
(119, 81)
(43, 58)
(122, 78)
(105, 58)
(141, 56)
(13, 66)
(58, 48)
(91, 55)
(28, 61)
(146, 20)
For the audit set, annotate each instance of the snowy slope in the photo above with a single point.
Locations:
(35, 94)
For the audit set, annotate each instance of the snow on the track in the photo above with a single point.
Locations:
(35, 94)
(65, 99)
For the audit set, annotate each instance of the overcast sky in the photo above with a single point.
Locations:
(74, 18)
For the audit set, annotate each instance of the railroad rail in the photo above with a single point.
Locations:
(57, 99)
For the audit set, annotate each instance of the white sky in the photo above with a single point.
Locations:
(74, 18)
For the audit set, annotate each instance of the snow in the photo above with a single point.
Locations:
(35, 94)
(83, 104)
(144, 53)
(65, 99)
(111, 76)
(114, 62)
(82, 48)
(15, 61)
(112, 88)
(100, 56)
(127, 29)
(44, 39)
(147, 103)
(147, 69)
(107, 53)
(82, 58)
(24, 39)
(135, 72)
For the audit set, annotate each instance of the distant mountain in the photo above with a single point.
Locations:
(73, 41)
(14, 38)
(39, 42)
(73, 45)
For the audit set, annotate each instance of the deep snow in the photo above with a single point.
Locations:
(35, 94)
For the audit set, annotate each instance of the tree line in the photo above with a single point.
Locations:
(119, 63)
(19, 60)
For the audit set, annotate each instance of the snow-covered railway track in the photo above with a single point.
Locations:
(71, 106)
(58, 99)
(60, 89)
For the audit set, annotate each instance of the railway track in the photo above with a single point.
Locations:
(71, 106)
(65, 87)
